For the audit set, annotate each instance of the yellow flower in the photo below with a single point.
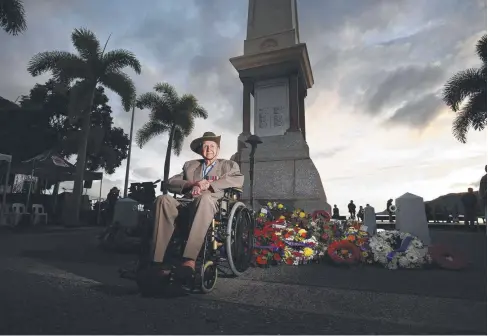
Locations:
(262, 215)
(282, 217)
(270, 205)
(302, 214)
(307, 252)
(280, 206)
(365, 254)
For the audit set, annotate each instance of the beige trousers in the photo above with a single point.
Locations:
(202, 211)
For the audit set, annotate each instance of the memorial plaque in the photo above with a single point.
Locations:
(271, 108)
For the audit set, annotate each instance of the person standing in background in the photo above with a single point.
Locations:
(361, 213)
(335, 212)
(352, 209)
(469, 202)
(390, 213)
(482, 193)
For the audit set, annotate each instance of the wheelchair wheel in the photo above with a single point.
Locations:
(209, 274)
(240, 238)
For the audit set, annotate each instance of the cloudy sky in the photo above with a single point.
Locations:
(375, 124)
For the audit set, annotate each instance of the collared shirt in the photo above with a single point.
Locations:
(206, 170)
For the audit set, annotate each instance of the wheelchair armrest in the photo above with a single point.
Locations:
(239, 190)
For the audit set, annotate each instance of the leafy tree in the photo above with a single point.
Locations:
(465, 94)
(90, 68)
(45, 111)
(171, 114)
(12, 16)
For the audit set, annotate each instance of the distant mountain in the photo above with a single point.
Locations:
(450, 203)
(7, 104)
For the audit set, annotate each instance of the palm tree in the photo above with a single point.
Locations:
(90, 68)
(169, 114)
(12, 16)
(465, 94)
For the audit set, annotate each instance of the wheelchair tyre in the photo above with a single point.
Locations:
(240, 209)
(209, 274)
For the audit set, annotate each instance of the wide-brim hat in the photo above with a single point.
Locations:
(207, 136)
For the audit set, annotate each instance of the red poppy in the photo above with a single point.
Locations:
(261, 260)
(343, 252)
(296, 254)
(289, 261)
(280, 244)
(276, 257)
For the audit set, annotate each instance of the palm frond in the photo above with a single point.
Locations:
(116, 60)
(79, 99)
(185, 122)
(200, 112)
(168, 91)
(461, 85)
(178, 140)
(150, 130)
(64, 66)
(12, 16)
(148, 100)
(189, 102)
(86, 43)
(460, 126)
(122, 85)
(475, 108)
(481, 48)
(472, 114)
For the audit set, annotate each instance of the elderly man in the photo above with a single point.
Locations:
(204, 180)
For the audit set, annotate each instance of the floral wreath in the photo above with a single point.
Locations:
(446, 258)
(343, 252)
(395, 249)
(325, 215)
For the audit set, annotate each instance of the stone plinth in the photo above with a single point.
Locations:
(284, 172)
(370, 219)
(411, 217)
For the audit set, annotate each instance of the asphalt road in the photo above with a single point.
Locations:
(60, 283)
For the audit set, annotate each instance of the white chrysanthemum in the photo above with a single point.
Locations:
(412, 257)
(380, 258)
(403, 262)
(417, 243)
(404, 235)
(392, 265)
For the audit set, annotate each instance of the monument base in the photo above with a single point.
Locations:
(284, 172)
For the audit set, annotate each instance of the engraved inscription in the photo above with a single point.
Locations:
(278, 116)
(263, 119)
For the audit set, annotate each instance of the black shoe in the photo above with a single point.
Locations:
(185, 275)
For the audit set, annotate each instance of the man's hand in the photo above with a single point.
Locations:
(202, 184)
(196, 191)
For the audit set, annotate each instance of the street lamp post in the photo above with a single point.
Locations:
(126, 184)
(254, 141)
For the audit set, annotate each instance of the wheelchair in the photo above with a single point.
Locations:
(228, 245)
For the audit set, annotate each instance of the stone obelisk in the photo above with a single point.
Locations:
(275, 70)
